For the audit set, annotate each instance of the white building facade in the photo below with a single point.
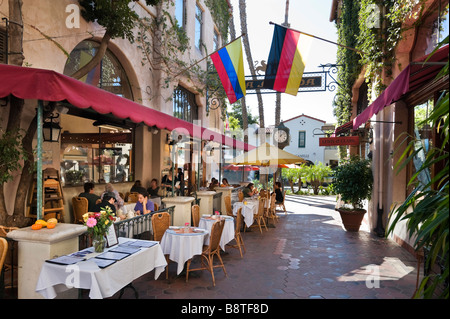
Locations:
(303, 142)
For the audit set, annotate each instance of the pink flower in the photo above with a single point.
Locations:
(186, 224)
(91, 222)
(217, 212)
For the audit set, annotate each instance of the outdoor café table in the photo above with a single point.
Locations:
(249, 209)
(182, 246)
(102, 282)
(207, 221)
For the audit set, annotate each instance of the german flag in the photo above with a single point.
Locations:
(286, 61)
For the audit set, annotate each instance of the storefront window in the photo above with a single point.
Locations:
(99, 157)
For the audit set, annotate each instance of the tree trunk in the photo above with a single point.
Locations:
(95, 60)
(243, 17)
(15, 31)
(243, 103)
(16, 57)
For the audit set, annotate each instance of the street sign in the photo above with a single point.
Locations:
(342, 140)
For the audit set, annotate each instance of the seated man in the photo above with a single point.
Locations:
(108, 200)
(250, 190)
(144, 205)
(154, 188)
(89, 194)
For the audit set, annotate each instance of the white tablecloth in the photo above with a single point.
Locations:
(182, 247)
(227, 233)
(248, 210)
(102, 283)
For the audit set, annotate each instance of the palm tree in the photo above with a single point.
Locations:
(243, 17)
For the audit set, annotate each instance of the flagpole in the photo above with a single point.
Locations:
(191, 66)
(319, 38)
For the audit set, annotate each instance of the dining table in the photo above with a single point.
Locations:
(103, 274)
(249, 209)
(183, 243)
(206, 222)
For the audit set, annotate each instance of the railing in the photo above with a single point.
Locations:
(139, 227)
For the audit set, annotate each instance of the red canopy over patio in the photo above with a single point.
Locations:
(47, 85)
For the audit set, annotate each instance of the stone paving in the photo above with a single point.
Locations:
(308, 255)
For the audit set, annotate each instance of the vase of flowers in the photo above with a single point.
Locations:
(97, 226)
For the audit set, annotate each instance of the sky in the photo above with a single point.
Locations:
(304, 15)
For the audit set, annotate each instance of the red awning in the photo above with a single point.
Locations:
(415, 75)
(47, 85)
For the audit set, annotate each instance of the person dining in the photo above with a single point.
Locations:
(249, 190)
(118, 200)
(153, 189)
(90, 196)
(278, 193)
(108, 200)
(167, 181)
(144, 205)
(137, 187)
(225, 183)
(214, 184)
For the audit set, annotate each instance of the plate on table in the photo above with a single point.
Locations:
(174, 227)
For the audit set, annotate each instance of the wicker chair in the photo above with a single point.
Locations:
(10, 263)
(237, 233)
(160, 223)
(213, 249)
(241, 196)
(3, 251)
(228, 208)
(133, 197)
(271, 213)
(281, 204)
(195, 215)
(259, 219)
(80, 207)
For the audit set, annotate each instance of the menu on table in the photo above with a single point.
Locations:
(140, 243)
(103, 263)
(65, 260)
(126, 249)
(112, 255)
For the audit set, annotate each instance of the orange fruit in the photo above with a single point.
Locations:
(36, 226)
(51, 225)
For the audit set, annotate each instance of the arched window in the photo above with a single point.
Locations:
(109, 75)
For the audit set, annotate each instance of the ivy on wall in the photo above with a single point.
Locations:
(375, 28)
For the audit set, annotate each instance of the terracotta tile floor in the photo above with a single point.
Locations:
(308, 255)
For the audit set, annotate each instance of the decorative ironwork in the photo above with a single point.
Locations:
(319, 81)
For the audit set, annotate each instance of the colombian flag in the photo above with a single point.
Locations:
(229, 63)
(286, 61)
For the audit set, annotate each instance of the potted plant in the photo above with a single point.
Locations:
(353, 181)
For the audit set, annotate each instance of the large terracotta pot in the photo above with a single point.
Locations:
(351, 218)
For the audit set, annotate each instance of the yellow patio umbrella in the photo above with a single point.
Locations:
(266, 155)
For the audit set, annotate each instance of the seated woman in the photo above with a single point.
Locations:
(119, 200)
(225, 183)
(144, 205)
(278, 193)
(250, 190)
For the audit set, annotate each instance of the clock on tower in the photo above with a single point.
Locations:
(281, 136)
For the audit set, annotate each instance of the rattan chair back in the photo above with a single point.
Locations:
(241, 196)
(80, 207)
(3, 251)
(160, 223)
(228, 208)
(195, 215)
(133, 197)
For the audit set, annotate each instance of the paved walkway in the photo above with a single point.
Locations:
(308, 255)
